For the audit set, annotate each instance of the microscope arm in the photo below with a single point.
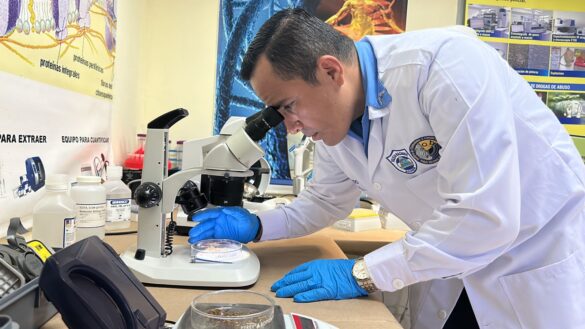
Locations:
(172, 184)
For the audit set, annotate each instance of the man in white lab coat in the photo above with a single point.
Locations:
(436, 127)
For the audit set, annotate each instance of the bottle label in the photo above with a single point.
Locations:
(68, 232)
(118, 210)
(91, 215)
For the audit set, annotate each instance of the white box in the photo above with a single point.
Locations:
(391, 222)
(360, 220)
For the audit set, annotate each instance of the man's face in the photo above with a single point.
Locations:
(315, 110)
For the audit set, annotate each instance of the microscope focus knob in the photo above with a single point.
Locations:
(148, 195)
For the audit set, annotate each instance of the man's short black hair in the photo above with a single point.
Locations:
(292, 41)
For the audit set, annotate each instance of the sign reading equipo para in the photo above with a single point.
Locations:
(543, 40)
(56, 71)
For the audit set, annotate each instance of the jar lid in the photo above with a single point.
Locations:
(57, 182)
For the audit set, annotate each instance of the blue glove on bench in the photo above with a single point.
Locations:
(320, 280)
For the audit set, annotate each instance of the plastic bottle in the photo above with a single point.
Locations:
(135, 160)
(141, 138)
(172, 153)
(180, 154)
(90, 197)
(55, 214)
(117, 200)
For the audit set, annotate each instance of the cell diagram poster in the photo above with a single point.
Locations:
(544, 41)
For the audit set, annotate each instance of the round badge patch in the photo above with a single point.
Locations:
(425, 150)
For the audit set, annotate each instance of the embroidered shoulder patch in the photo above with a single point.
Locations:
(425, 150)
(402, 161)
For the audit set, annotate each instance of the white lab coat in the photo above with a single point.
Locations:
(501, 212)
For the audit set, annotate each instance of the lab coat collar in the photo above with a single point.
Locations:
(376, 95)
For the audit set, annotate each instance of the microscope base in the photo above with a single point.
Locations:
(177, 269)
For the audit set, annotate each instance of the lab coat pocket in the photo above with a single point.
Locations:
(424, 187)
(551, 296)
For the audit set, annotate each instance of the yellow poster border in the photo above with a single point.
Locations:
(552, 5)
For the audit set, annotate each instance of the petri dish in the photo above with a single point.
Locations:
(232, 308)
(216, 250)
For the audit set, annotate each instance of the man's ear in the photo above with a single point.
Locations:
(331, 68)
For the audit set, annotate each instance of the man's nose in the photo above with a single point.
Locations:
(292, 126)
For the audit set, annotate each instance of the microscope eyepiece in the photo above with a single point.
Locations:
(258, 124)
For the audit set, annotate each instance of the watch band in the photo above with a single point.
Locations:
(363, 278)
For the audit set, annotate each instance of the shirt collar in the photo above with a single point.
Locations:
(376, 95)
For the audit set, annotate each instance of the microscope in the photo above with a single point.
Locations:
(194, 153)
(222, 171)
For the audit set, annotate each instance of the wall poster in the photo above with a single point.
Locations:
(56, 72)
(544, 41)
(239, 22)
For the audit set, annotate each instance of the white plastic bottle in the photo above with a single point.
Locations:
(118, 204)
(180, 154)
(90, 197)
(54, 215)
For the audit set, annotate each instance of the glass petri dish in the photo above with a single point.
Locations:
(231, 309)
(216, 250)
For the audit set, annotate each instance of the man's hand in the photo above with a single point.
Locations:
(234, 223)
(320, 280)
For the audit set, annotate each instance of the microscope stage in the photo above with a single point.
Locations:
(178, 270)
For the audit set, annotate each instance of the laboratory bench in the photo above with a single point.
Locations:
(276, 259)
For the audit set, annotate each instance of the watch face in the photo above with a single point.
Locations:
(359, 270)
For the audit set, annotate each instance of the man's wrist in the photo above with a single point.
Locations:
(259, 232)
(362, 276)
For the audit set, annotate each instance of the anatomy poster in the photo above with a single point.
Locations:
(544, 41)
(239, 22)
(56, 72)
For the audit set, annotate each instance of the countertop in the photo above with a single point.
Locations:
(277, 258)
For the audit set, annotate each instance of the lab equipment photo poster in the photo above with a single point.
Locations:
(56, 71)
(544, 41)
(238, 23)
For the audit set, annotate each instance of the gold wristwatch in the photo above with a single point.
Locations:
(362, 276)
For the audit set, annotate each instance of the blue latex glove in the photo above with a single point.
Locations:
(234, 223)
(320, 280)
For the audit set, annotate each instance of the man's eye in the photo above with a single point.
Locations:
(289, 108)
